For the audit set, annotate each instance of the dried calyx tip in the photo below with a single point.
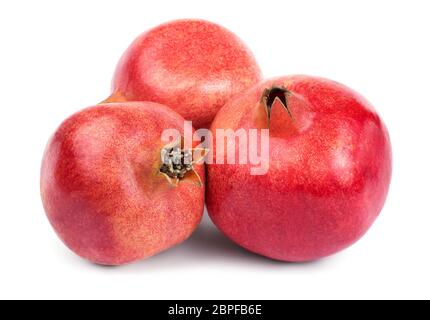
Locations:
(178, 162)
(272, 94)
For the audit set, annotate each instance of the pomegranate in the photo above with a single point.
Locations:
(109, 191)
(192, 66)
(328, 174)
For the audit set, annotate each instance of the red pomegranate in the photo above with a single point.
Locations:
(106, 190)
(328, 174)
(192, 66)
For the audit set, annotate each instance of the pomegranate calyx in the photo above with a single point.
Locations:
(272, 94)
(178, 163)
(114, 98)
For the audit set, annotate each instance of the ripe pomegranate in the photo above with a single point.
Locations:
(328, 175)
(106, 190)
(192, 66)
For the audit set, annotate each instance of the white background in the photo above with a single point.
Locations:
(57, 57)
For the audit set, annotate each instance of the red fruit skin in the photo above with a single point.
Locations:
(329, 174)
(101, 189)
(192, 66)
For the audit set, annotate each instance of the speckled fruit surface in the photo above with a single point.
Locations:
(101, 187)
(329, 174)
(192, 66)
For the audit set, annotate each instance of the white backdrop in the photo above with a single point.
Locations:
(57, 57)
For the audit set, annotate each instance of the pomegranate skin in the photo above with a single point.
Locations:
(328, 177)
(192, 66)
(101, 189)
